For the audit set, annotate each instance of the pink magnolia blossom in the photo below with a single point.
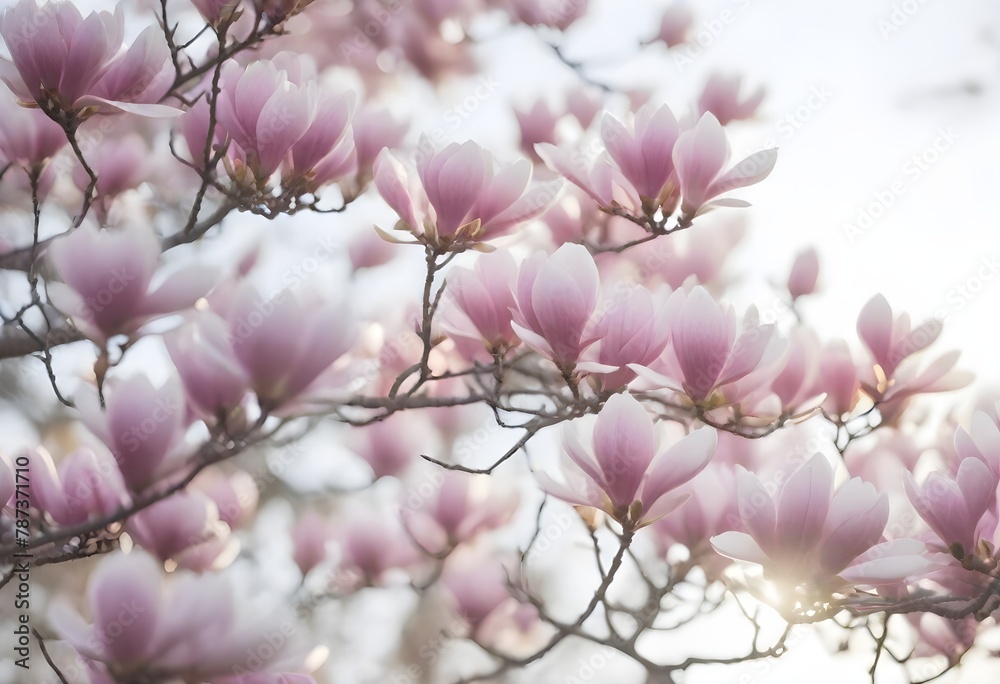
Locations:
(187, 627)
(120, 164)
(809, 533)
(584, 105)
(310, 537)
(480, 301)
(954, 508)
(265, 109)
(891, 343)
(28, 137)
(721, 97)
(710, 510)
(625, 470)
(217, 12)
(325, 152)
(462, 197)
(676, 24)
(142, 425)
(214, 381)
(805, 271)
(107, 276)
(938, 635)
(700, 157)
(234, 492)
(372, 548)
(558, 14)
(643, 154)
(538, 125)
(556, 296)
(374, 130)
(87, 484)
(388, 446)
(368, 250)
(186, 529)
(71, 65)
(259, 333)
(462, 508)
(982, 441)
(633, 330)
(476, 585)
(838, 379)
(709, 354)
(795, 384)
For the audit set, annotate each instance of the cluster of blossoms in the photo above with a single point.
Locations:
(555, 296)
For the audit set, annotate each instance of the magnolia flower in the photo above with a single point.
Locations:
(186, 627)
(310, 536)
(625, 470)
(214, 381)
(708, 354)
(75, 66)
(264, 109)
(676, 24)
(795, 385)
(325, 152)
(891, 342)
(953, 508)
(556, 296)
(838, 379)
(710, 510)
(643, 154)
(87, 484)
(217, 12)
(186, 529)
(982, 441)
(371, 548)
(558, 14)
(700, 157)
(28, 137)
(463, 507)
(634, 329)
(297, 326)
(476, 584)
(808, 533)
(638, 168)
(374, 130)
(387, 446)
(234, 492)
(721, 97)
(462, 197)
(537, 125)
(480, 301)
(107, 276)
(805, 271)
(142, 425)
(120, 164)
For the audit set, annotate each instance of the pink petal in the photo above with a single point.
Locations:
(679, 464)
(124, 595)
(875, 329)
(623, 444)
(739, 546)
(803, 504)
